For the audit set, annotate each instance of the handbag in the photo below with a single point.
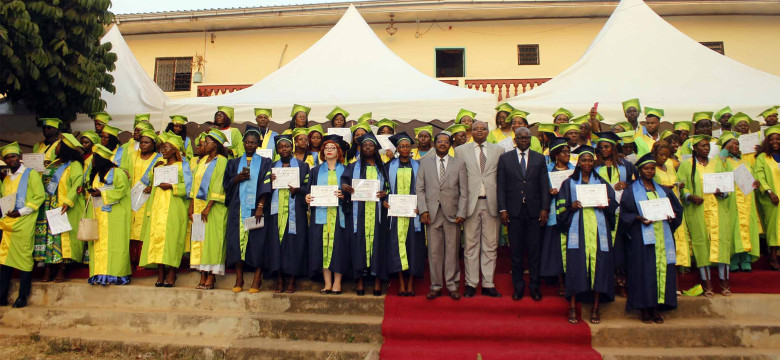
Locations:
(88, 228)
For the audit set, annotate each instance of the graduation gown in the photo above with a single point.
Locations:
(109, 255)
(68, 179)
(236, 140)
(365, 222)
(405, 250)
(18, 234)
(164, 230)
(554, 242)
(140, 171)
(682, 239)
(626, 172)
(711, 223)
(651, 279)
(287, 223)
(248, 246)
(329, 245)
(50, 151)
(746, 227)
(767, 172)
(589, 261)
(209, 255)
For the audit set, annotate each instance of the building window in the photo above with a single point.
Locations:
(173, 74)
(716, 46)
(450, 63)
(528, 54)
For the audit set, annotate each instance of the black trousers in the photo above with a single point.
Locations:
(25, 282)
(525, 237)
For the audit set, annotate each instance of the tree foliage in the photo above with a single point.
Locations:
(51, 58)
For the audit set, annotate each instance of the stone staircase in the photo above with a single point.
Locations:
(742, 326)
(191, 323)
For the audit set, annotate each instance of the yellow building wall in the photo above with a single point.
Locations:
(245, 57)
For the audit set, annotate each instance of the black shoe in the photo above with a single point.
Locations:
(470, 292)
(517, 296)
(158, 284)
(377, 292)
(536, 295)
(492, 292)
(20, 302)
(360, 292)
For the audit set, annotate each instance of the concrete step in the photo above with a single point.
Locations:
(687, 333)
(705, 353)
(736, 307)
(91, 344)
(193, 322)
(146, 296)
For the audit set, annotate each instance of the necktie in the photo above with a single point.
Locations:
(441, 172)
(482, 158)
(522, 162)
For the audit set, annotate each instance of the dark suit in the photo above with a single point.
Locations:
(523, 196)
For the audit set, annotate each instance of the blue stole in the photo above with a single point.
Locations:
(248, 194)
(392, 175)
(291, 221)
(186, 142)
(356, 175)
(145, 178)
(21, 190)
(118, 155)
(553, 220)
(574, 230)
(51, 187)
(321, 212)
(648, 231)
(109, 181)
(315, 158)
(185, 168)
(203, 190)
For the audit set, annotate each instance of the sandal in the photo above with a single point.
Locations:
(708, 293)
(325, 291)
(279, 287)
(725, 290)
(573, 316)
(774, 264)
(208, 287)
(658, 319)
(594, 317)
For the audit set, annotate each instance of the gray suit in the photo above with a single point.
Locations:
(482, 222)
(444, 204)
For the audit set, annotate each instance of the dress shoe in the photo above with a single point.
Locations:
(433, 294)
(455, 295)
(517, 296)
(20, 302)
(492, 292)
(470, 292)
(536, 295)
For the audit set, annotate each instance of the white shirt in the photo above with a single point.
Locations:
(520, 156)
(25, 210)
(446, 159)
(482, 191)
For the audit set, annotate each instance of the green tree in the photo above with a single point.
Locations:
(51, 58)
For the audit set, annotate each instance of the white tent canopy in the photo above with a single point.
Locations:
(349, 67)
(136, 93)
(639, 55)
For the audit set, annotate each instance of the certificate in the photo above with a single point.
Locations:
(266, 153)
(722, 181)
(198, 228)
(744, 179)
(592, 195)
(97, 201)
(748, 143)
(374, 129)
(228, 136)
(286, 177)
(166, 175)
(657, 209)
(717, 133)
(7, 203)
(508, 144)
(58, 222)
(402, 205)
(251, 223)
(384, 142)
(714, 151)
(34, 161)
(324, 195)
(137, 196)
(558, 177)
(345, 133)
(365, 190)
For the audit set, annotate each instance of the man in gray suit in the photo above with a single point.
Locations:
(442, 193)
(482, 222)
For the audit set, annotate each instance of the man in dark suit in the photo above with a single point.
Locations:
(523, 202)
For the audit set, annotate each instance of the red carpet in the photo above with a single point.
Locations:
(417, 328)
(762, 280)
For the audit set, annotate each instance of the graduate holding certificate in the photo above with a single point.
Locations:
(590, 274)
(554, 241)
(328, 240)
(651, 287)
